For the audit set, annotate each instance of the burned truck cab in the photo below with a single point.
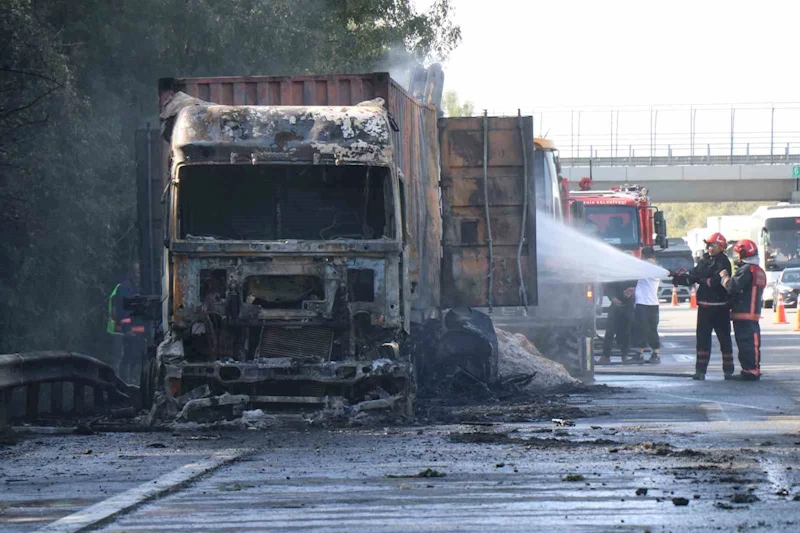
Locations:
(284, 259)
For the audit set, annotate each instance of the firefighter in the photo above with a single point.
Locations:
(127, 330)
(746, 288)
(620, 319)
(713, 311)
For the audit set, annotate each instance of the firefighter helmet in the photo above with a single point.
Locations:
(745, 248)
(717, 238)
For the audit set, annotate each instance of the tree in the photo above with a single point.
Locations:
(453, 108)
(682, 217)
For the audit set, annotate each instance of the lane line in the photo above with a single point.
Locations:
(106, 510)
(719, 402)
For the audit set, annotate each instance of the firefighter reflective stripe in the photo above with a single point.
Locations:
(745, 316)
(125, 321)
(137, 329)
(111, 325)
(757, 344)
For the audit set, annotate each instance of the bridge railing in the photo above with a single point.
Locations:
(707, 158)
(671, 134)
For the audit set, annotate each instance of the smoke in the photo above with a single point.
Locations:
(400, 64)
(565, 253)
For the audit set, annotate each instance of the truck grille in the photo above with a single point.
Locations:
(301, 343)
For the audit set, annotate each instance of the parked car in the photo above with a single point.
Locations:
(786, 287)
(674, 258)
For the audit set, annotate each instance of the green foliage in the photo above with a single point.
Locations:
(682, 217)
(78, 78)
(453, 108)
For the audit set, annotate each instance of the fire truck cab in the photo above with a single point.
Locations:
(622, 216)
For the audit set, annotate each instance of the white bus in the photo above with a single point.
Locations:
(776, 230)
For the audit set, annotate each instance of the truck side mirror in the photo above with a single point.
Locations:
(661, 229)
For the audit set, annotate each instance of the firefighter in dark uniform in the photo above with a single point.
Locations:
(746, 288)
(713, 310)
(128, 331)
(620, 319)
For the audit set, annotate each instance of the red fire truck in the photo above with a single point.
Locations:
(622, 216)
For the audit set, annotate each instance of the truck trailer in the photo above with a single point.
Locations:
(326, 238)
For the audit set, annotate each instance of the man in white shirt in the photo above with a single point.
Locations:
(646, 314)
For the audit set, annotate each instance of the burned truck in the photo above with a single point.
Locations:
(311, 249)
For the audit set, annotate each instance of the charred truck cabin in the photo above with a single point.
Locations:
(284, 253)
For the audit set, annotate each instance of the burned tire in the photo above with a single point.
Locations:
(148, 378)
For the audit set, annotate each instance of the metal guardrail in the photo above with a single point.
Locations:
(63, 378)
(669, 160)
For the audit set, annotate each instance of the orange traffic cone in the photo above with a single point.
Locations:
(674, 296)
(693, 299)
(780, 312)
(797, 319)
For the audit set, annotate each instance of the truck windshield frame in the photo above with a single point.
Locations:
(548, 194)
(624, 234)
(781, 237)
(285, 202)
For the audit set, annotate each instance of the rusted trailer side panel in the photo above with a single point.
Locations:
(415, 143)
(466, 267)
(150, 168)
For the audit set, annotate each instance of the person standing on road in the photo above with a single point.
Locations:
(746, 288)
(646, 314)
(713, 311)
(620, 318)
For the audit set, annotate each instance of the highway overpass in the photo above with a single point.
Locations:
(696, 183)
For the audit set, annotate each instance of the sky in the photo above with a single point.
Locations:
(533, 54)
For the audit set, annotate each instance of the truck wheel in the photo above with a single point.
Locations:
(569, 353)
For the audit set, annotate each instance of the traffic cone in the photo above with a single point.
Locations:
(674, 296)
(693, 299)
(780, 312)
(797, 319)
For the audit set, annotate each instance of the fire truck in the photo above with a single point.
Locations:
(622, 216)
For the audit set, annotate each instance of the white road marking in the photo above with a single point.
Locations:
(720, 403)
(106, 510)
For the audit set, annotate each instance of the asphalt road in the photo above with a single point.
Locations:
(731, 449)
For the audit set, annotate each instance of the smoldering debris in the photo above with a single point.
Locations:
(521, 370)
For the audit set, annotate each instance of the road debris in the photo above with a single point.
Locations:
(680, 501)
(573, 477)
(744, 497)
(428, 472)
(563, 422)
(84, 429)
(225, 406)
(641, 491)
